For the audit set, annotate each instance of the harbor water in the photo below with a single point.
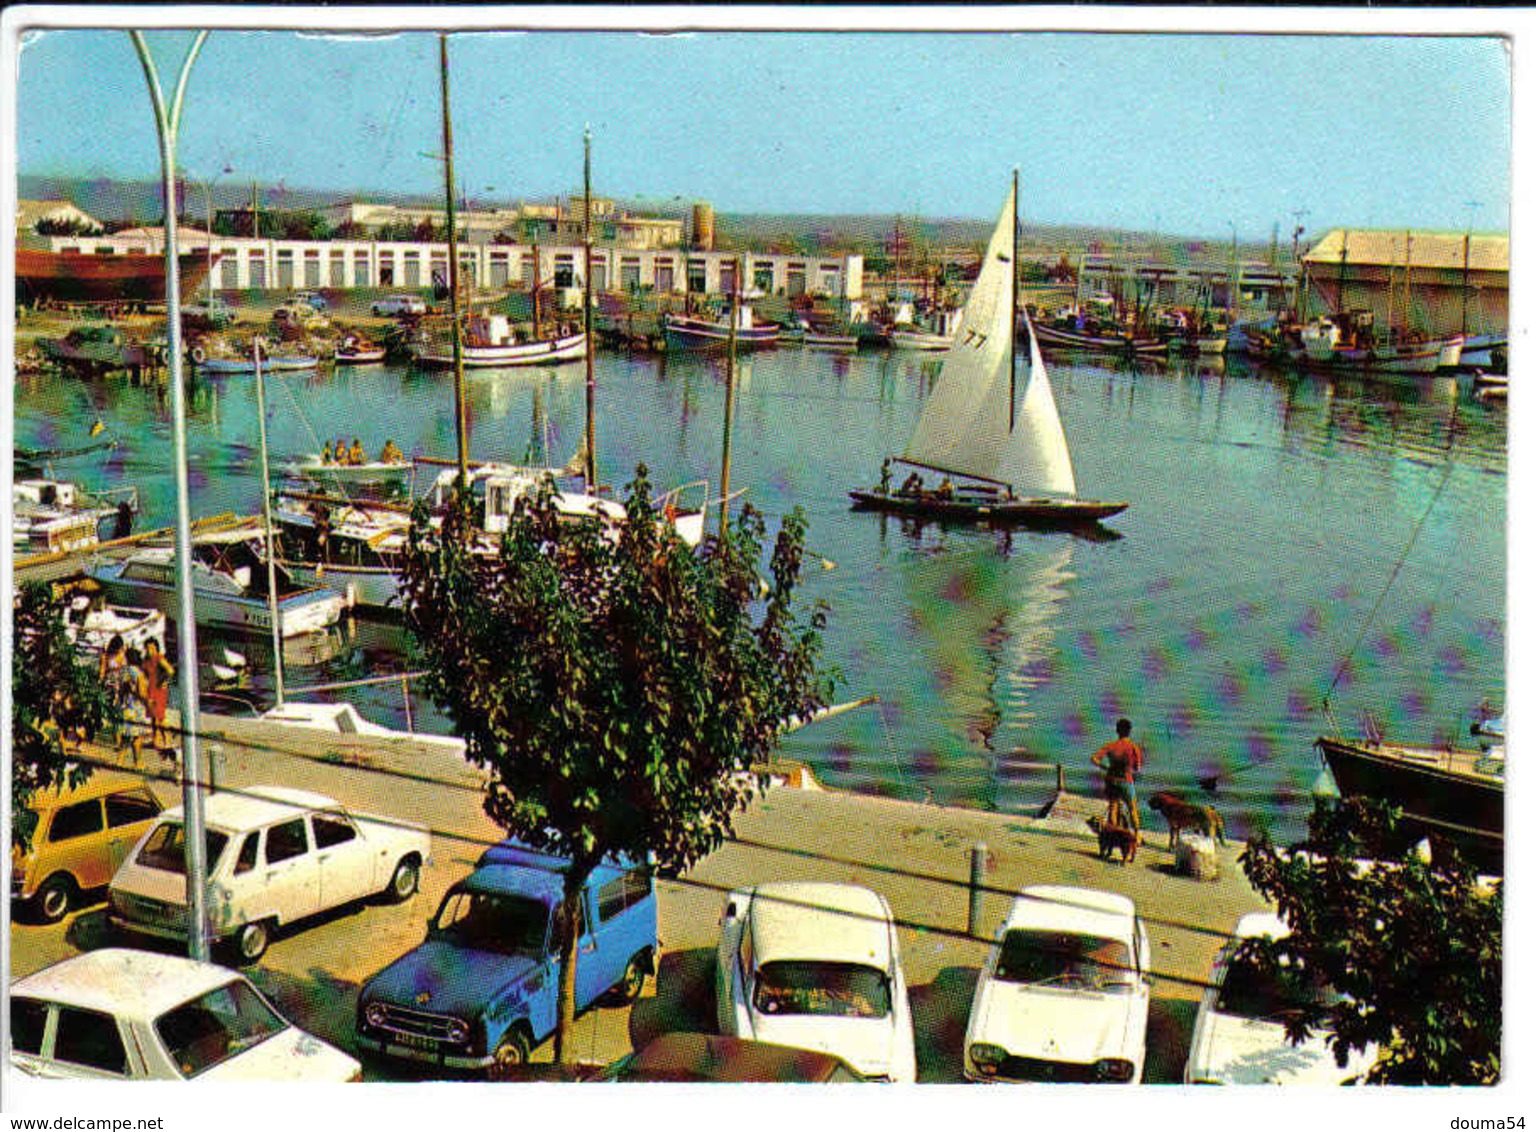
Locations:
(1292, 541)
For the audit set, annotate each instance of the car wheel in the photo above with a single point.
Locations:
(53, 898)
(511, 1054)
(402, 885)
(629, 987)
(251, 941)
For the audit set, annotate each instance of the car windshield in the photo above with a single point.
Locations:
(166, 848)
(488, 921)
(1249, 991)
(848, 990)
(1042, 958)
(217, 1026)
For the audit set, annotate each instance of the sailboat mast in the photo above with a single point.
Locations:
(266, 514)
(730, 403)
(586, 307)
(460, 418)
(1013, 306)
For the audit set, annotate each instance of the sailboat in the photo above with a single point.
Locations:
(970, 429)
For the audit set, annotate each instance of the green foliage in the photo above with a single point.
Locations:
(617, 686)
(1415, 947)
(49, 226)
(53, 695)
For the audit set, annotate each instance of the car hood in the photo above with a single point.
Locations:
(1057, 1025)
(867, 1044)
(443, 979)
(291, 1055)
(1245, 1051)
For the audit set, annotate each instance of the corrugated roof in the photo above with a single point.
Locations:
(1427, 249)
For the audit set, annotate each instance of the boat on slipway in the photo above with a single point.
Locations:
(687, 332)
(971, 429)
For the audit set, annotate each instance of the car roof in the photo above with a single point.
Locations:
(100, 784)
(257, 806)
(514, 852)
(685, 1056)
(1060, 907)
(820, 920)
(124, 982)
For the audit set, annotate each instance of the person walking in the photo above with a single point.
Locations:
(158, 674)
(1121, 760)
(135, 701)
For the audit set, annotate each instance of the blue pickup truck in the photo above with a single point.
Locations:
(482, 991)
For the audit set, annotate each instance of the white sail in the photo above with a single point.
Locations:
(1036, 459)
(963, 426)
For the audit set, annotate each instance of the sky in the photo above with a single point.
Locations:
(1181, 133)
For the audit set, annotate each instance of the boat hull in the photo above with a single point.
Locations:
(543, 352)
(359, 357)
(246, 365)
(1055, 336)
(1012, 512)
(1434, 796)
(697, 334)
(45, 276)
(376, 587)
(307, 611)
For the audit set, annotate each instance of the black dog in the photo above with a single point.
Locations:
(1112, 838)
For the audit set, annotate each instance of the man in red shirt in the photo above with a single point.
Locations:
(1120, 759)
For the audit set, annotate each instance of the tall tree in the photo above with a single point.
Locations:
(619, 687)
(1414, 944)
(54, 695)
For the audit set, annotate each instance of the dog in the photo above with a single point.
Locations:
(1182, 814)
(1112, 838)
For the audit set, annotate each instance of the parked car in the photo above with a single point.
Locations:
(117, 1014)
(1239, 1035)
(82, 835)
(312, 299)
(212, 314)
(684, 1058)
(394, 305)
(274, 856)
(1064, 993)
(481, 990)
(816, 965)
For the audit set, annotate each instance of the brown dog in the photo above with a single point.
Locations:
(1112, 838)
(1182, 814)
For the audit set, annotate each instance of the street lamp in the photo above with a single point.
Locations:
(207, 187)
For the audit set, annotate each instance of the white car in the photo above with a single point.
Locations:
(1239, 1035)
(815, 965)
(273, 856)
(1064, 993)
(399, 304)
(117, 1014)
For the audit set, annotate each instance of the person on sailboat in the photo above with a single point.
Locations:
(912, 485)
(885, 477)
(355, 454)
(390, 454)
(945, 490)
(1120, 759)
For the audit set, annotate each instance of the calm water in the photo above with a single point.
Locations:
(1278, 525)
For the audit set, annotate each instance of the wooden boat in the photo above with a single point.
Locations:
(213, 364)
(1097, 340)
(94, 350)
(50, 516)
(354, 351)
(936, 332)
(685, 332)
(491, 341)
(229, 583)
(830, 340)
(66, 277)
(969, 427)
(1450, 792)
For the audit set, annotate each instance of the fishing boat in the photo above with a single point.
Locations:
(1446, 791)
(492, 341)
(830, 340)
(1071, 333)
(355, 351)
(50, 516)
(686, 332)
(229, 584)
(937, 334)
(969, 427)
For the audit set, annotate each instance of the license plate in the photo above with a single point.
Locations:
(415, 1041)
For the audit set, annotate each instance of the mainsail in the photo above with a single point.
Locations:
(965, 425)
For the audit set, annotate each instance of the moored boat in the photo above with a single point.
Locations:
(686, 332)
(92, 623)
(355, 351)
(492, 341)
(1101, 340)
(51, 516)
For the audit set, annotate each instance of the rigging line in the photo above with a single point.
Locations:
(1382, 597)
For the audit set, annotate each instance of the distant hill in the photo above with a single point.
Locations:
(870, 234)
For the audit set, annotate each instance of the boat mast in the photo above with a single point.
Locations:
(586, 308)
(266, 514)
(1013, 304)
(1466, 273)
(460, 418)
(730, 403)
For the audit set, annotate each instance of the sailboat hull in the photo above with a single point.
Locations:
(1011, 512)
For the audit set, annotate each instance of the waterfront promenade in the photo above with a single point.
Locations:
(918, 855)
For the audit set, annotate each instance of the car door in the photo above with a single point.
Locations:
(591, 956)
(341, 853)
(86, 1044)
(77, 844)
(129, 815)
(290, 881)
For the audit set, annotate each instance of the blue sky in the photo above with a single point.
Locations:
(1183, 133)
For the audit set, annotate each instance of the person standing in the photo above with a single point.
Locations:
(1121, 760)
(135, 694)
(158, 675)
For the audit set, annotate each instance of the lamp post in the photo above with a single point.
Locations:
(207, 187)
(167, 124)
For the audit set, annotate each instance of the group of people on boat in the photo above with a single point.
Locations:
(346, 456)
(913, 487)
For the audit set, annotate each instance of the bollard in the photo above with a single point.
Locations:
(215, 753)
(978, 885)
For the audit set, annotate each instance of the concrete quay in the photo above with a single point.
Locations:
(917, 855)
